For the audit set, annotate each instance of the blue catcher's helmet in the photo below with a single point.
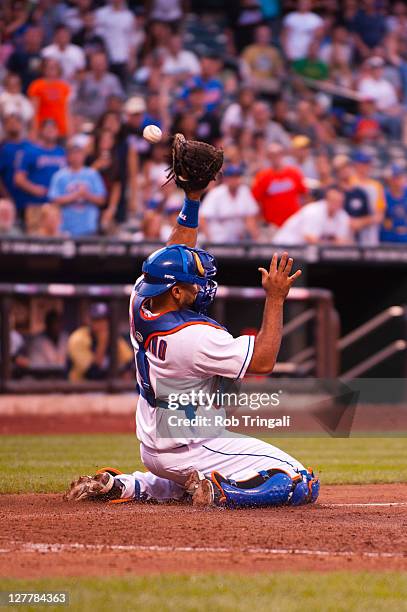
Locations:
(175, 264)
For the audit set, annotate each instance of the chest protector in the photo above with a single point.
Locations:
(144, 328)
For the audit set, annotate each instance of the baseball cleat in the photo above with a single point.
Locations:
(200, 488)
(102, 485)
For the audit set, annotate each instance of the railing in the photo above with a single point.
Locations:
(324, 362)
(367, 328)
(306, 359)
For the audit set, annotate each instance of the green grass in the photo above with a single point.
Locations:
(47, 463)
(334, 592)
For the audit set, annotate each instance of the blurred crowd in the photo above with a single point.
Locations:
(52, 353)
(307, 99)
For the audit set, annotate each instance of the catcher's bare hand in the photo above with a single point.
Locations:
(277, 281)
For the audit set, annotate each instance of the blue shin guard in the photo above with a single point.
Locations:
(307, 491)
(273, 491)
(268, 488)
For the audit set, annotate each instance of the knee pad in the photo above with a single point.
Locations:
(274, 490)
(307, 490)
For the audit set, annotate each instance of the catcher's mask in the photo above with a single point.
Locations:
(179, 264)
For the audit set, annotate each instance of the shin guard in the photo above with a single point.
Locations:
(273, 491)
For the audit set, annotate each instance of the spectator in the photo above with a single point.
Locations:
(302, 157)
(155, 111)
(282, 113)
(48, 14)
(369, 28)
(149, 75)
(180, 63)
(397, 21)
(115, 104)
(118, 28)
(356, 201)
(176, 91)
(12, 101)
(128, 137)
(366, 127)
(323, 222)
(324, 172)
(89, 348)
(39, 162)
(300, 28)
(350, 10)
(155, 172)
(259, 122)
(49, 348)
(261, 63)
(17, 19)
(86, 38)
(310, 120)
(158, 38)
(186, 124)
(161, 212)
(168, 11)
(75, 16)
(79, 191)
(229, 211)
(373, 85)
(208, 80)
(341, 73)
(278, 189)
(338, 48)
(395, 220)
(395, 65)
(237, 113)
(6, 48)
(18, 348)
(8, 219)
(70, 57)
(252, 152)
(110, 120)
(107, 163)
(50, 96)
(375, 193)
(207, 124)
(95, 88)
(324, 121)
(135, 109)
(311, 66)
(248, 16)
(11, 150)
(26, 60)
(49, 225)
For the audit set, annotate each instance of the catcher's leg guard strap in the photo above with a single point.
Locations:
(273, 491)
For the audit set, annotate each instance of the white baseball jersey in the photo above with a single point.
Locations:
(179, 346)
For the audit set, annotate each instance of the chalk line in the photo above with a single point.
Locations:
(52, 548)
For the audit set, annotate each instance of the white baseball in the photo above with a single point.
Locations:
(152, 133)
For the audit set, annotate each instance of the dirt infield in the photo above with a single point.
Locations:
(352, 527)
(67, 423)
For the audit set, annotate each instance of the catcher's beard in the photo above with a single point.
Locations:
(184, 294)
(181, 295)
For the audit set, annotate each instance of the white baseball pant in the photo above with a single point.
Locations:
(235, 457)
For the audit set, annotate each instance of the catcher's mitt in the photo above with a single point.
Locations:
(194, 164)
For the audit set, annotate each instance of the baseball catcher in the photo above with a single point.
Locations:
(174, 339)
